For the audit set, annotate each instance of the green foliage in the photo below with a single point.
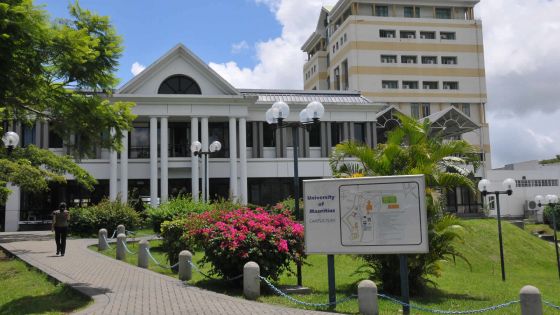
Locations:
(551, 161)
(287, 206)
(86, 221)
(173, 240)
(61, 73)
(177, 207)
(412, 149)
(548, 212)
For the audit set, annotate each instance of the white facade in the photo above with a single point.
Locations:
(532, 179)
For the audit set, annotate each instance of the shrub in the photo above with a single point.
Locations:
(87, 221)
(232, 238)
(180, 206)
(288, 205)
(548, 210)
(173, 240)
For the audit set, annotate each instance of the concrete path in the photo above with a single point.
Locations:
(120, 288)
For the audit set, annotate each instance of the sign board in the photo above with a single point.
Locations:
(367, 215)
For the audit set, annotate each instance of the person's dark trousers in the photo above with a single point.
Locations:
(60, 234)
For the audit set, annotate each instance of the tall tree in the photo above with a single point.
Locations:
(412, 150)
(60, 72)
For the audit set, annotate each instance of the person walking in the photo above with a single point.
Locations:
(60, 228)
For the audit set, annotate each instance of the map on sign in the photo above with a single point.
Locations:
(379, 214)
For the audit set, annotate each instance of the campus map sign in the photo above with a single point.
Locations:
(368, 215)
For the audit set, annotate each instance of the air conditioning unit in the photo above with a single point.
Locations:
(423, 36)
(446, 87)
(532, 211)
(410, 36)
(426, 87)
(390, 36)
(430, 62)
(410, 61)
(405, 87)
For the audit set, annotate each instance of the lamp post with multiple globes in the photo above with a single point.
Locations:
(196, 149)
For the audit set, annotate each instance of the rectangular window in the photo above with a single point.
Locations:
(415, 110)
(412, 85)
(449, 60)
(315, 136)
(452, 85)
(443, 13)
(344, 66)
(425, 109)
(28, 135)
(381, 10)
(429, 60)
(466, 108)
(360, 132)
(408, 12)
(430, 85)
(409, 59)
(249, 134)
(388, 59)
(387, 33)
(390, 84)
(179, 140)
(428, 35)
(139, 143)
(408, 34)
(447, 35)
(269, 136)
(336, 133)
(55, 141)
(337, 79)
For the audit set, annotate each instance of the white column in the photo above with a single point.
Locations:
(153, 162)
(124, 167)
(113, 189)
(243, 159)
(13, 206)
(195, 191)
(164, 157)
(233, 158)
(204, 136)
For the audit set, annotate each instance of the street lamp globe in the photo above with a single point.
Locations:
(316, 109)
(215, 146)
(10, 139)
(283, 110)
(539, 199)
(509, 185)
(196, 147)
(270, 116)
(304, 116)
(483, 185)
(551, 199)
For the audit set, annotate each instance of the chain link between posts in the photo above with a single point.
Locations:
(434, 311)
(158, 263)
(128, 250)
(551, 305)
(195, 267)
(107, 242)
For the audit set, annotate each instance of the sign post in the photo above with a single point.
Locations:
(368, 215)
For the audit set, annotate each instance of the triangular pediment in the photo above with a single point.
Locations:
(178, 61)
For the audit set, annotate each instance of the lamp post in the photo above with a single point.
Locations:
(11, 140)
(552, 201)
(308, 118)
(196, 149)
(508, 185)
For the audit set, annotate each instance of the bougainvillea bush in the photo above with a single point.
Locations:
(232, 238)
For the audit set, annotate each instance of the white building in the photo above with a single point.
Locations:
(532, 178)
(179, 100)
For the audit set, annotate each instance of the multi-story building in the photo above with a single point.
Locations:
(417, 56)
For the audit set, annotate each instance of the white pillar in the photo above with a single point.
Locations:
(124, 168)
(153, 162)
(113, 189)
(233, 158)
(164, 160)
(243, 159)
(204, 136)
(195, 191)
(12, 209)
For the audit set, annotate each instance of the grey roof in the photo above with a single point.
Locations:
(300, 96)
(451, 122)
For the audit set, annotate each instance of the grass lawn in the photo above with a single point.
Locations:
(540, 228)
(528, 260)
(24, 290)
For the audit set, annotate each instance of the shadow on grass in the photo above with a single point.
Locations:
(436, 296)
(65, 300)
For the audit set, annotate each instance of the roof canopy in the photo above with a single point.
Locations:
(451, 122)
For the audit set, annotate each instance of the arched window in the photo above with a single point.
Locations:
(179, 84)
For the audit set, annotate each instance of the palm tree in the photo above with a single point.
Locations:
(412, 149)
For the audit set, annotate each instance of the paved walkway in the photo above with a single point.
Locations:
(120, 288)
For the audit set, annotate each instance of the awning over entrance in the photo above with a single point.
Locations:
(451, 122)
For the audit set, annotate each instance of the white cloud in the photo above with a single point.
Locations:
(522, 66)
(137, 68)
(236, 48)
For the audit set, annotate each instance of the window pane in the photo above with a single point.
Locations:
(139, 147)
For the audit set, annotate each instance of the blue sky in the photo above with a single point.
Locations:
(209, 28)
(256, 44)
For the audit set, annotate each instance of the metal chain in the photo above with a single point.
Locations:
(157, 262)
(114, 232)
(552, 305)
(281, 293)
(107, 242)
(434, 311)
(128, 250)
(211, 278)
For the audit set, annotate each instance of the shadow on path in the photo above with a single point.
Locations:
(11, 238)
(64, 301)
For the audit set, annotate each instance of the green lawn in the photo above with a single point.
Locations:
(24, 290)
(528, 260)
(540, 228)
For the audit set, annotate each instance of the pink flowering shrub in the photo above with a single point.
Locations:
(232, 238)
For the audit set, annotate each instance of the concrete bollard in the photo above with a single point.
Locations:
(251, 280)
(531, 303)
(367, 298)
(102, 240)
(121, 251)
(143, 259)
(121, 229)
(185, 268)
